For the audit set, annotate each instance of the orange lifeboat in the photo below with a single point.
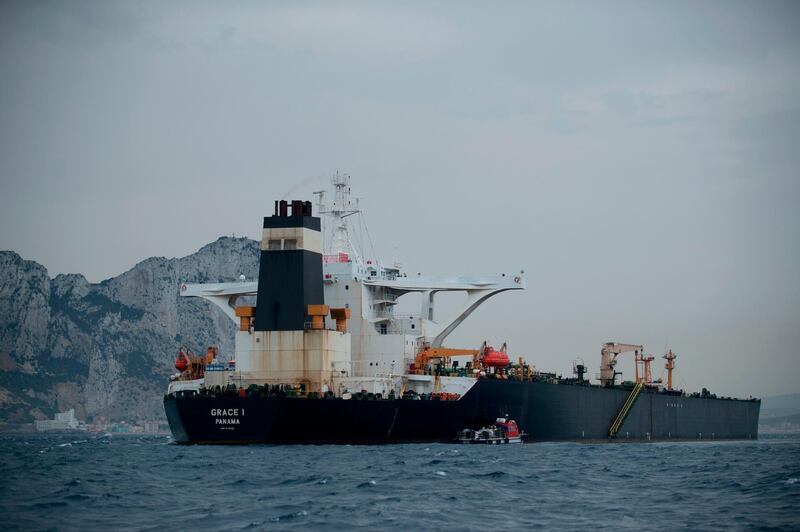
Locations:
(495, 359)
(182, 362)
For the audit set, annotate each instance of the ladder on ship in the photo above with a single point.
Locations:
(626, 408)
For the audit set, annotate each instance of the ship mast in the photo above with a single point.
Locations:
(646, 360)
(338, 212)
(669, 366)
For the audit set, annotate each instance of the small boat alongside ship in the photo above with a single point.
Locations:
(503, 431)
(324, 356)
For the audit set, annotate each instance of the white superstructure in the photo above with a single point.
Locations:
(382, 344)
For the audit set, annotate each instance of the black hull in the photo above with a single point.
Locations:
(547, 412)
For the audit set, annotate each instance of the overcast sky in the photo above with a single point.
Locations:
(639, 160)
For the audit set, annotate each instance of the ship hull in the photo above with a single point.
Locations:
(545, 411)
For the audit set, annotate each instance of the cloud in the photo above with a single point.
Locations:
(363, 33)
(373, 34)
(78, 23)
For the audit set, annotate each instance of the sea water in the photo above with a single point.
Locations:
(66, 482)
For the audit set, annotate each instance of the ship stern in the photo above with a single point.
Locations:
(174, 420)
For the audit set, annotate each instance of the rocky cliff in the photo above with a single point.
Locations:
(107, 349)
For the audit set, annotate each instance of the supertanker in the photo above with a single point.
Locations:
(323, 357)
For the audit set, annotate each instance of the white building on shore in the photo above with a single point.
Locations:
(63, 421)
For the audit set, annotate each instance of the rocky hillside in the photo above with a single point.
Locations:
(107, 349)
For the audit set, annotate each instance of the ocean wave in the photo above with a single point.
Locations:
(492, 474)
(50, 504)
(294, 515)
(311, 479)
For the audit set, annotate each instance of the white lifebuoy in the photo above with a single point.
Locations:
(183, 287)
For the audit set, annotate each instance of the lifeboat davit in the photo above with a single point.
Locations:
(495, 359)
(182, 362)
